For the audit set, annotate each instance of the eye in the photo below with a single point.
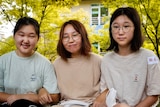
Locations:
(65, 36)
(126, 26)
(75, 34)
(116, 26)
(32, 35)
(20, 34)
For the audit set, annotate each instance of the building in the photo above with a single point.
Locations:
(96, 10)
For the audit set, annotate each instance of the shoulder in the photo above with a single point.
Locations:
(96, 56)
(93, 58)
(147, 52)
(37, 54)
(149, 55)
(6, 56)
(41, 58)
(109, 54)
(57, 60)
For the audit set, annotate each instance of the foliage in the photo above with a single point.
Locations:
(7, 45)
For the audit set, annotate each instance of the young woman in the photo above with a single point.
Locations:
(77, 68)
(24, 73)
(130, 69)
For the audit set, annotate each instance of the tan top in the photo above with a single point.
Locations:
(134, 76)
(78, 79)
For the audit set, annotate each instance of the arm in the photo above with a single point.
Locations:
(49, 94)
(10, 98)
(152, 83)
(100, 101)
(47, 98)
(55, 98)
(4, 96)
(121, 105)
(148, 101)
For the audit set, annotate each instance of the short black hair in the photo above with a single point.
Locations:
(27, 21)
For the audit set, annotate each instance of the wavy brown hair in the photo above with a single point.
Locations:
(85, 46)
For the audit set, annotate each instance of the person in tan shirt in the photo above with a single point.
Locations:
(77, 68)
(131, 70)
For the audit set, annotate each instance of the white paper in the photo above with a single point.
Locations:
(75, 102)
(111, 98)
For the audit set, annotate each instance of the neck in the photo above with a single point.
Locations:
(75, 55)
(124, 51)
(24, 55)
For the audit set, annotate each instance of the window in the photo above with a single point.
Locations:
(98, 12)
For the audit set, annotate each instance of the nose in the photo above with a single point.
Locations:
(121, 31)
(25, 39)
(70, 39)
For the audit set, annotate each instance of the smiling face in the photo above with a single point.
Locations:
(72, 40)
(26, 40)
(122, 31)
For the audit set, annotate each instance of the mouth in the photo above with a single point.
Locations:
(121, 38)
(25, 46)
(72, 45)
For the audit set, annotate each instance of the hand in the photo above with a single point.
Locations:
(99, 104)
(12, 99)
(121, 105)
(44, 97)
(100, 101)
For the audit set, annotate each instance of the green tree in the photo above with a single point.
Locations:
(6, 45)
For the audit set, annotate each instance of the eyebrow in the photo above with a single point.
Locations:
(25, 33)
(71, 32)
(123, 23)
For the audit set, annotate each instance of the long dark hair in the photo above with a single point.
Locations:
(133, 15)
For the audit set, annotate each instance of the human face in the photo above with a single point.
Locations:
(122, 30)
(25, 40)
(71, 40)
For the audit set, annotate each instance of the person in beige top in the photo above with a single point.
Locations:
(133, 71)
(77, 68)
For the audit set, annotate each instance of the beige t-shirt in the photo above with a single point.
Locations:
(134, 76)
(79, 78)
